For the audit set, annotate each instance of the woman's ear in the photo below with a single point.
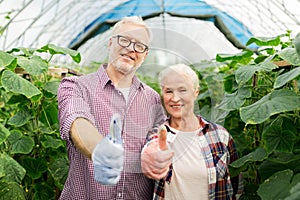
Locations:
(196, 93)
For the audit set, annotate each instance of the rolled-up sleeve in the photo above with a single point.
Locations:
(71, 104)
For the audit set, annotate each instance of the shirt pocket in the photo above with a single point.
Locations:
(221, 164)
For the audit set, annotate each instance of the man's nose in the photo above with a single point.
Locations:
(131, 47)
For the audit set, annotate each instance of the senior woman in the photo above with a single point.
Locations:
(188, 156)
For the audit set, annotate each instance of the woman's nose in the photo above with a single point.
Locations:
(175, 97)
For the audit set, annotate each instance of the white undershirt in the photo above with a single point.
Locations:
(125, 92)
(189, 177)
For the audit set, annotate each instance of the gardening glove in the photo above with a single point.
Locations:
(108, 155)
(156, 156)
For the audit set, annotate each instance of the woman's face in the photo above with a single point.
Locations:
(179, 95)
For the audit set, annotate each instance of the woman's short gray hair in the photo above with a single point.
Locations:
(182, 70)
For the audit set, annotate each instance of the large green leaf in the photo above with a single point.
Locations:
(264, 41)
(276, 102)
(11, 191)
(258, 155)
(243, 57)
(59, 171)
(279, 138)
(53, 49)
(278, 162)
(14, 83)
(51, 142)
(243, 74)
(20, 118)
(277, 186)
(34, 66)
(7, 60)
(35, 167)
(294, 193)
(20, 143)
(43, 191)
(296, 42)
(235, 100)
(290, 55)
(286, 77)
(52, 87)
(13, 170)
(4, 133)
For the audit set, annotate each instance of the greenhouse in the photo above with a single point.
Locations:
(246, 55)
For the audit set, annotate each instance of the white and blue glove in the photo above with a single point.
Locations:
(108, 155)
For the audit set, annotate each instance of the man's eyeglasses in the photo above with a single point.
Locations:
(125, 42)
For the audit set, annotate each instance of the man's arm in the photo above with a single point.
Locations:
(85, 136)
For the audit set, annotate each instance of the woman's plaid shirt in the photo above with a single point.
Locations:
(218, 149)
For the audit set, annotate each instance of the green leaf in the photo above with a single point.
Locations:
(264, 41)
(28, 52)
(49, 116)
(243, 74)
(52, 87)
(277, 162)
(243, 57)
(14, 83)
(7, 60)
(34, 66)
(286, 77)
(35, 167)
(14, 172)
(296, 42)
(277, 186)
(4, 133)
(258, 155)
(290, 55)
(276, 102)
(235, 100)
(43, 191)
(11, 191)
(18, 99)
(53, 49)
(294, 193)
(51, 142)
(278, 139)
(20, 118)
(20, 143)
(59, 170)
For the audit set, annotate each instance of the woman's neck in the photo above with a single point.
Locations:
(190, 123)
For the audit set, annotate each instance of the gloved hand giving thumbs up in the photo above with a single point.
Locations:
(156, 156)
(108, 155)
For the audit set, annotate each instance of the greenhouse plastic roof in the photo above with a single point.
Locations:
(184, 30)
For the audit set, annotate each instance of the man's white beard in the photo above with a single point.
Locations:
(124, 67)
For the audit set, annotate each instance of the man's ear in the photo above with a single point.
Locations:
(109, 43)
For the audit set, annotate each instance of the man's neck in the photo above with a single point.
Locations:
(119, 80)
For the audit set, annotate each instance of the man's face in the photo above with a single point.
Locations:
(125, 59)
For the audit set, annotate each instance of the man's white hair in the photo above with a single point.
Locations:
(135, 20)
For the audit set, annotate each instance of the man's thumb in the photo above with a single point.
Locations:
(162, 138)
(116, 128)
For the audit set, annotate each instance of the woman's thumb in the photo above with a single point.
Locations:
(162, 138)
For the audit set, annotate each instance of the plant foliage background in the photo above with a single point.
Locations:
(254, 94)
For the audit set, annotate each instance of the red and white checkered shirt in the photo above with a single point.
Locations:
(95, 98)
